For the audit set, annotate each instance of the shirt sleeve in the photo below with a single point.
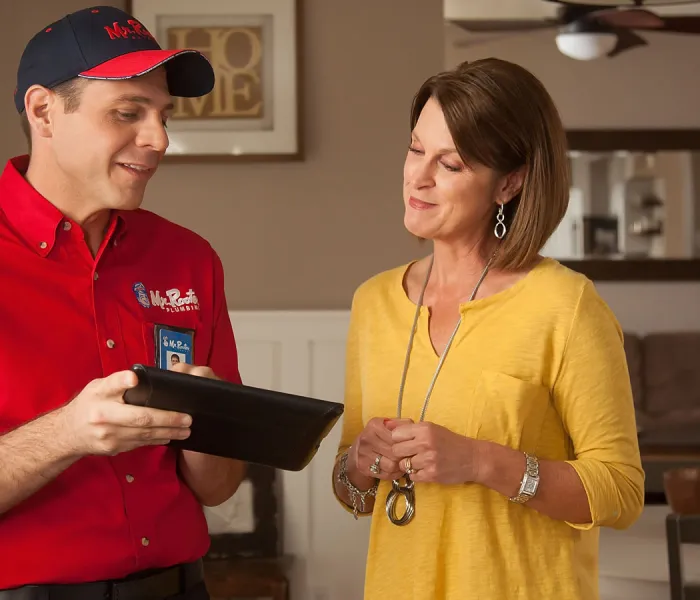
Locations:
(352, 414)
(594, 398)
(223, 354)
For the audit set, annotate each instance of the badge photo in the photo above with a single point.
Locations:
(173, 345)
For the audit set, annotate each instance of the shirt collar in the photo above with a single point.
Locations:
(31, 215)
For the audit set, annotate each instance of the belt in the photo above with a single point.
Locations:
(140, 586)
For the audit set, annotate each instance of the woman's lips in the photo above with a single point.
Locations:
(419, 204)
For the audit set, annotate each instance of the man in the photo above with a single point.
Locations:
(93, 502)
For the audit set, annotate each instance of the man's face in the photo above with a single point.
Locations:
(111, 146)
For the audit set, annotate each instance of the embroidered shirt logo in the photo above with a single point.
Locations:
(141, 294)
(172, 300)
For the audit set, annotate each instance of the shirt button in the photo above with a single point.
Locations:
(145, 541)
(67, 226)
(43, 245)
(96, 276)
(130, 478)
(110, 344)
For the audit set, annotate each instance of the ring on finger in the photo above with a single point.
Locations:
(409, 469)
(374, 467)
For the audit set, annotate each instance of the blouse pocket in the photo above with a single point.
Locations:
(508, 411)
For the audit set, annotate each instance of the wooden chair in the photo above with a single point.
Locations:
(681, 529)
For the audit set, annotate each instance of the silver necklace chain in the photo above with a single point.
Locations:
(407, 490)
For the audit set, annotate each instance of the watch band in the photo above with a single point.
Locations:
(530, 481)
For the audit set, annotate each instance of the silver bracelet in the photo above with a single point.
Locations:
(352, 490)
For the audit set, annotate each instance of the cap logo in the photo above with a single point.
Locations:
(134, 31)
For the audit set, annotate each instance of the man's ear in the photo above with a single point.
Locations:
(511, 185)
(38, 102)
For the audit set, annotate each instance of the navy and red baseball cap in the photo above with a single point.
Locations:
(104, 42)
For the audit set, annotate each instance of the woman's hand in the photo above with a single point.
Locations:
(436, 454)
(374, 442)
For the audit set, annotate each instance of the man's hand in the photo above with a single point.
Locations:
(195, 370)
(98, 420)
(212, 479)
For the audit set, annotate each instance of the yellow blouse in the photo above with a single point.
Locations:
(539, 367)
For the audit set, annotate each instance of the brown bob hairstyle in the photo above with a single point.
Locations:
(501, 116)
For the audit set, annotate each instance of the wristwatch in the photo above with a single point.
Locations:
(530, 481)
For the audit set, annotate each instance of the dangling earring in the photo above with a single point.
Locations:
(500, 229)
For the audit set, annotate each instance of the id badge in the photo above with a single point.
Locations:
(173, 345)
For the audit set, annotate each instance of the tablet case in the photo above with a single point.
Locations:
(271, 428)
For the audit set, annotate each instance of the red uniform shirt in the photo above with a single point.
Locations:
(67, 318)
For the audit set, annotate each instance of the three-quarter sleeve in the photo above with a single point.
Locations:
(352, 416)
(593, 395)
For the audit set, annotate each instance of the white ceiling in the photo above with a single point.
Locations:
(531, 9)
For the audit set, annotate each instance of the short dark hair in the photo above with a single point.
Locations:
(501, 116)
(70, 92)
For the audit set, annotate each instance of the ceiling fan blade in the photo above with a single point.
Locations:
(577, 4)
(490, 37)
(624, 3)
(680, 25)
(478, 25)
(626, 40)
(634, 18)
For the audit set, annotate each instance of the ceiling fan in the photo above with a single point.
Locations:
(598, 28)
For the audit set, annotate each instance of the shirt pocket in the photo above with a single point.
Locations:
(508, 411)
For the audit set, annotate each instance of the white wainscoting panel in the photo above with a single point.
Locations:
(304, 353)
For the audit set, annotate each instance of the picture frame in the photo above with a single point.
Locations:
(254, 111)
(247, 525)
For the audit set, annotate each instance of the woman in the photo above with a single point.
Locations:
(489, 426)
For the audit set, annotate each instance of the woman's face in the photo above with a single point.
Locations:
(444, 198)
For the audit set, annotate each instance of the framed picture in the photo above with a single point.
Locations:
(253, 112)
(247, 525)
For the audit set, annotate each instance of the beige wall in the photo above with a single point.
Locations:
(298, 235)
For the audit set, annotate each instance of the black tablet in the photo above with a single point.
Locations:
(255, 425)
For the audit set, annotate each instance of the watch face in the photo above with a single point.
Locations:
(530, 486)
